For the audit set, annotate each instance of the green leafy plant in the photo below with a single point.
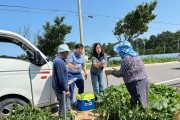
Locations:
(114, 104)
(32, 113)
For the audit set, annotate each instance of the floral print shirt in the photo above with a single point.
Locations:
(132, 69)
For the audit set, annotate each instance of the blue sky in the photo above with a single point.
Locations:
(97, 29)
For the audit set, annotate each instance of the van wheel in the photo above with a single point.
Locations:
(7, 106)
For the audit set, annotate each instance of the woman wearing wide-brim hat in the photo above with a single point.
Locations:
(132, 71)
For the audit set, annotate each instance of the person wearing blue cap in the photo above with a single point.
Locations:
(133, 73)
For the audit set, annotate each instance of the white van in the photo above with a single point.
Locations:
(25, 74)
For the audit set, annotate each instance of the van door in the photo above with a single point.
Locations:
(20, 72)
(14, 71)
(41, 84)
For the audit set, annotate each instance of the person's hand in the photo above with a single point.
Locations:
(108, 72)
(67, 94)
(102, 65)
(85, 76)
(76, 68)
(69, 82)
(115, 68)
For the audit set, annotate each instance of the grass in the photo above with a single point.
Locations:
(158, 60)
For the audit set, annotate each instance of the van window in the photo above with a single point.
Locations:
(13, 51)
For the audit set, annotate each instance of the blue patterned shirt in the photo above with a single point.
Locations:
(132, 69)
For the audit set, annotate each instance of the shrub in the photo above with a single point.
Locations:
(113, 63)
(32, 113)
(158, 60)
(114, 104)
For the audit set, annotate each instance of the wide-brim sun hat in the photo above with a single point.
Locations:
(124, 48)
(63, 48)
(121, 45)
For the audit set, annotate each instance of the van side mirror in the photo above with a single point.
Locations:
(38, 59)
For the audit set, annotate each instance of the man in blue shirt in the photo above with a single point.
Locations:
(60, 77)
(75, 65)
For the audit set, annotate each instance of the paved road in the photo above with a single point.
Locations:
(157, 73)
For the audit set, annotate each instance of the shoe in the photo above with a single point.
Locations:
(73, 106)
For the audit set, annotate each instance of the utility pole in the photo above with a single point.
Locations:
(164, 48)
(81, 26)
(144, 46)
(178, 45)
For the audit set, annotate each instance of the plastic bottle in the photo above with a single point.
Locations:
(80, 67)
(72, 80)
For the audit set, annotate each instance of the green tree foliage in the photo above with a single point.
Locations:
(166, 42)
(53, 36)
(88, 50)
(71, 45)
(135, 22)
(109, 49)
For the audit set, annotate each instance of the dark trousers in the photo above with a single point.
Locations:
(79, 83)
(139, 91)
(61, 104)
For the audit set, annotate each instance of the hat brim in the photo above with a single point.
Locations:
(116, 48)
(65, 51)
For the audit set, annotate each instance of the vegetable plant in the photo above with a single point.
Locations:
(114, 104)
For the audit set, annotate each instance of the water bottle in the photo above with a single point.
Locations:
(72, 80)
(80, 67)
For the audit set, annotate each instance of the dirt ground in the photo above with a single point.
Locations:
(86, 115)
(177, 117)
(83, 115)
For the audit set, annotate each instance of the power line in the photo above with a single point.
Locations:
(57, 10)
(166, 23)
(72, 12)
(25, 11)
(24, 7)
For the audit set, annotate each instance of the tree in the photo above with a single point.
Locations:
(25, 32)
(135, 22)
(71, 45)
(53, 36)
(109, 49)
(88, 51)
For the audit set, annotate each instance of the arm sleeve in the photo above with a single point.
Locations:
(62, 76)
(122, 71)
(93, 60)
(70, 58)
(103, 61)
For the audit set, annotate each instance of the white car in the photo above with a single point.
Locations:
(24, 78)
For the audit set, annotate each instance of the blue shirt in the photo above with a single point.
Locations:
(59, 75)
(76, 61)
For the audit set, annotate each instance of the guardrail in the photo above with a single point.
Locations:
(170, 55)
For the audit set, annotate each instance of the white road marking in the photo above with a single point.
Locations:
(167, 81)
